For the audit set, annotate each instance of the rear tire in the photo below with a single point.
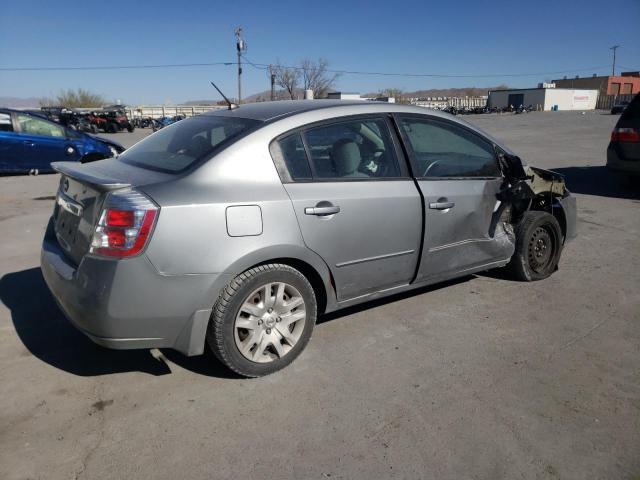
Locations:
(538, 247)
(130, 128)
(263, 319)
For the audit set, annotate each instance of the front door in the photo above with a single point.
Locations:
(44, 142)
(458, 174)
(355, 203)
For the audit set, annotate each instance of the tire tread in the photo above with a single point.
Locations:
(215, 337)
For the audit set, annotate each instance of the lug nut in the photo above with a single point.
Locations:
(268, 331)
(278, 319)
(270, 310)
(259, 322)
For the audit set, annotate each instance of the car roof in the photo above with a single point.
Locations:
(269, 111)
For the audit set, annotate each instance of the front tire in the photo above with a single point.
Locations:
(538, 247)
(262, 320)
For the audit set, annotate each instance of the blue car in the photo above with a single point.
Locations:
(29, 143)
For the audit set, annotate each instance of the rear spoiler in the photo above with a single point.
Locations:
(79, 172)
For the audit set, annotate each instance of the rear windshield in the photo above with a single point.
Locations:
(179, 146)
(633, 109)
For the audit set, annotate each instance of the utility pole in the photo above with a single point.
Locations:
(241, 47)
(613, 68)
(272, 76)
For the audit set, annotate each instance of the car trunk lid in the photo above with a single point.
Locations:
(81, 194)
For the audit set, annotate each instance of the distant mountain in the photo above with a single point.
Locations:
(200, 102)
(16, 102)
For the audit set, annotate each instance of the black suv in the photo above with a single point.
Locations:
(623, 153)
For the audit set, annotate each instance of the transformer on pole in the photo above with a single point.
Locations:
(272, 76)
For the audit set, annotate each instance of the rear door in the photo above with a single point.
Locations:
(355, 203)
(458, 174)
(44, 142)
(11, 158)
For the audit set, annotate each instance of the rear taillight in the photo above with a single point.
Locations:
(626, 135)
(125, 225)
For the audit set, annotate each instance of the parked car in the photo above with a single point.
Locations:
(619, 107)
(30, 143)
(239, 227)
(623, 152)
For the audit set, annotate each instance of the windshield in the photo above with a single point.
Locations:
(179, 146)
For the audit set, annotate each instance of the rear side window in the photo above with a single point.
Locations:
(179, 146)
(346, 150)
(5, 123)
(441, 149)
(633, 110)
(290, 151)
(357, 149)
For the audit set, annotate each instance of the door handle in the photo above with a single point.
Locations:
(442, 204)
(29, 143)
(321, 211)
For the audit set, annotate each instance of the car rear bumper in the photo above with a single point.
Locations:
(618, 163)
(125, 304)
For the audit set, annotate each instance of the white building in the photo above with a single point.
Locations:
(344, 96)
(545, 97)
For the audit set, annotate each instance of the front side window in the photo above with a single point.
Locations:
(39, 126)
(442, 149)
(5, 123)
(356, 149)
(179, 146)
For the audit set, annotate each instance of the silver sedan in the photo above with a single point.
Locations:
(237, 228)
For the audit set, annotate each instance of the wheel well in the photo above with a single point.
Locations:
(541, 203)
(311, 274)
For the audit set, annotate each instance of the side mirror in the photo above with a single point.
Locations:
(512, 166)
(71, 132)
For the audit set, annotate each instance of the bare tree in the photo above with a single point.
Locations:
(316, 78)
(287, 78)
(396, 93)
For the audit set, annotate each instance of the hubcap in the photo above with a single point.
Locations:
(270, 322)
(541, 249)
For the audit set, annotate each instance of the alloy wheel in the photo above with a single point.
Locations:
(270, 322)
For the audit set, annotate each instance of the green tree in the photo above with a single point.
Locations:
(79, 98)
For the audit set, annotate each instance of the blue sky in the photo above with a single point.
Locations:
(452, 37)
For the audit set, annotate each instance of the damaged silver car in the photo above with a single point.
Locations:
(237, 228)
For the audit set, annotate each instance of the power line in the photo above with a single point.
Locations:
(115, 67)
(265, 66)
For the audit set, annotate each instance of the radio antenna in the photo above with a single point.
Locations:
(230, 104)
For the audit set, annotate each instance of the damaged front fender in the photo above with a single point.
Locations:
(531, 188)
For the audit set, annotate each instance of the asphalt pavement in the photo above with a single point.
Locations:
(480, 378)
